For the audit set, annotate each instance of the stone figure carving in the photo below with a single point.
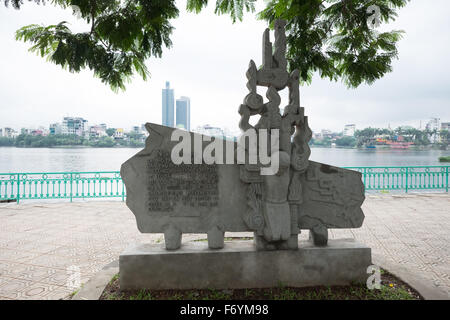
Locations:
(214, 198)
(281, 193)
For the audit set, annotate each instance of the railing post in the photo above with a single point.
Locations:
(364, 178)
(123, 190)
(71, 180)
(18, 188)
(446, 179)
(406, 187)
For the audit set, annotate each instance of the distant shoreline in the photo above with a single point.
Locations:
(413, 148)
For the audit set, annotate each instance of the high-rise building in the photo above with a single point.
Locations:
(183, 113)
(167, 106)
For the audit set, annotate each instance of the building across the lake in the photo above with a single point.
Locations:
(209, 130)
(433, 124)
(8, 132)
(168, 106)
(183, 113)
(216, 132)
(119, 133)
(349, 130)
(74, 125)
(55, 128)
(97, 131)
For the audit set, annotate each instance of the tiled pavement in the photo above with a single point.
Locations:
(40, 241)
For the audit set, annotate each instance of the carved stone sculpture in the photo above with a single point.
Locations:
(199, 197)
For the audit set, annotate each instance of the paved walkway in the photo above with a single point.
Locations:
(42, 245)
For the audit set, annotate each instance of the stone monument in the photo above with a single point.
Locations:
(174, 187)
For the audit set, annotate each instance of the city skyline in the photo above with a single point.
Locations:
(64, 128)
(176, 113)
(211, 69)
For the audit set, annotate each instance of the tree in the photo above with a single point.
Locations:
(110, 131)
(6, 142)
(346, 142)
(365, 136)
(325, 142)
(332, 37)
(103, 142)
(445, 137)
(122, 35)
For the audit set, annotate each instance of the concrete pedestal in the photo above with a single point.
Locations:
(239, 265)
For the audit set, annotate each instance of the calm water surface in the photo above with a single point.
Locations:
(110, 159)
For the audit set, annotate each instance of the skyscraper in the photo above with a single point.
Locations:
(184, 113)
(167, 106)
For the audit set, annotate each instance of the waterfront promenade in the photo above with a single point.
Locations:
(40, 241)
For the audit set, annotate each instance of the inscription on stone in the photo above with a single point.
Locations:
(190, 185)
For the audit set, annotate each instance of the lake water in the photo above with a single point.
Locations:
(110, 159)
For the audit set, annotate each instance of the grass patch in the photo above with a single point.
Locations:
(114, 278)
(72, 294)
(392, 288)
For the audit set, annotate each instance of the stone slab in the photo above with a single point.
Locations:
(240, 265)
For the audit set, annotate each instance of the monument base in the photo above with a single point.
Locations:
(239, 265)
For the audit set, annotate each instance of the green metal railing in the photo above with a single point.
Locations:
(405, 178)
(108, 184)
(61, 185)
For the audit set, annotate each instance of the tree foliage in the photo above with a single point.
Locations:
(330, 37)
(17, 3)
(235, 8)
(346, 142)
(110, 131)
(445, 136)
(122, 35)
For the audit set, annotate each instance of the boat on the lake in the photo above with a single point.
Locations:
(399, 145)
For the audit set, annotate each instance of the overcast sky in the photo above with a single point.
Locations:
(208, 62)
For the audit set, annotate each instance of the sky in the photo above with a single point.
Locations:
(207, 63)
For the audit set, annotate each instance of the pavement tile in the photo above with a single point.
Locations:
(60, 278)
(411, 230)
(30, 272)
(12, 287)
(17, 255)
